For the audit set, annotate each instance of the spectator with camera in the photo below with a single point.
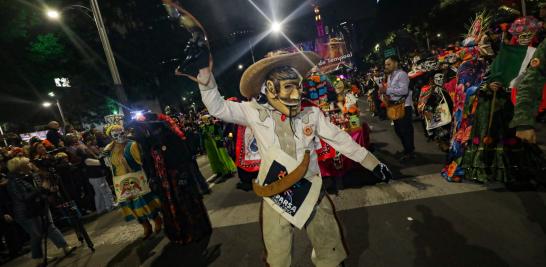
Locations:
(30, 210)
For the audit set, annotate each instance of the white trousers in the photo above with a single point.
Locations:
(104, 200)
(322, 229)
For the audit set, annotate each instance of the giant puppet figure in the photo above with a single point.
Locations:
(287, 136)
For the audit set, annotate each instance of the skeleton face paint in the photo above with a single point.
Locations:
(439, 79)
(118, 136)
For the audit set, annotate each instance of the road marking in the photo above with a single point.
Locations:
(211, 178)
(421, 187)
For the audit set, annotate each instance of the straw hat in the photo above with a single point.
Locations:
(254, 76)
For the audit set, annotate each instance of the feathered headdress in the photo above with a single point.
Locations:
(478, 28)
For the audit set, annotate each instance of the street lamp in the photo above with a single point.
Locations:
(47, 104)
(240, 67)
(97, 18)
(276, 27)
(438, 35)
(53, 14)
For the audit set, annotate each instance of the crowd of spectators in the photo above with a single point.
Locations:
(63, 168)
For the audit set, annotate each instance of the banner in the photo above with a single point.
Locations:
(298, 202)
(131, 185)
(333, 51)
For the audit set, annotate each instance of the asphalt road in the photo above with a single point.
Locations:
(418, 220)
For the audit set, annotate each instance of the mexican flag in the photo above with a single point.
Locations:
(510, 63)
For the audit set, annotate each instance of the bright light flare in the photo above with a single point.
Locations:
(53, 14)
(240, 67)
(46, 104)
(276, 27)
(51, 94)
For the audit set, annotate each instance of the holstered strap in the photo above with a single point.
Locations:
(286, 182)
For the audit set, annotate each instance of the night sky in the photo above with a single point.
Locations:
(143, 39)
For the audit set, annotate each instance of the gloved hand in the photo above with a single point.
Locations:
(382, 172)
(197, 56)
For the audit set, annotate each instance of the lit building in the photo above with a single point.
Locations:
(318, 22)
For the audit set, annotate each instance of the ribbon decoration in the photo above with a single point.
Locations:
(190, 23)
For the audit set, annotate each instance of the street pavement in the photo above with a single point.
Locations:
(417, 220)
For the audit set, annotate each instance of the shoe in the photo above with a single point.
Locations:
(407, 156)
(68, 250)
(158, 224)
(244, 186)
(147, 230)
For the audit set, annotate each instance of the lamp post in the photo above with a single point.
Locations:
(47, 104)
(111, 61)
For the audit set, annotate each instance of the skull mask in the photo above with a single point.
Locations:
(525, 38)
(118, 135)
(439, 79)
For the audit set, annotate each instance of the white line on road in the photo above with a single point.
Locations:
(425, 186)
(211, 178)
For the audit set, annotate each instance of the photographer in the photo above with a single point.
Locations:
(29, 196)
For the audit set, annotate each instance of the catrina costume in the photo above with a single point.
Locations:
(168, 160)
(470, 76)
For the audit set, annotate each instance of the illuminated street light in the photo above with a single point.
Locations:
(53, 14)
(46, 104)
(183, 98)
(438, 35)
(240, 67)
(276, 27)
(93, 12)
(51, 94)
(376, 47)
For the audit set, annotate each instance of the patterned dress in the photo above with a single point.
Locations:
(470, 76)
(125, 158)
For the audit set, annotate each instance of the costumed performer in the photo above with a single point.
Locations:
(287, 135)
(124, 157)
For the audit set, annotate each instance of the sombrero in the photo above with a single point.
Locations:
(254, 76)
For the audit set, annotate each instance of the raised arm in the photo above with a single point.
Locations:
(227, 111)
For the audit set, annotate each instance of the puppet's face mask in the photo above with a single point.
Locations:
(118, 136)
(525, 38)
(286, 97)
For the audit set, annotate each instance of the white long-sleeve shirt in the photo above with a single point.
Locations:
(309, 125)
